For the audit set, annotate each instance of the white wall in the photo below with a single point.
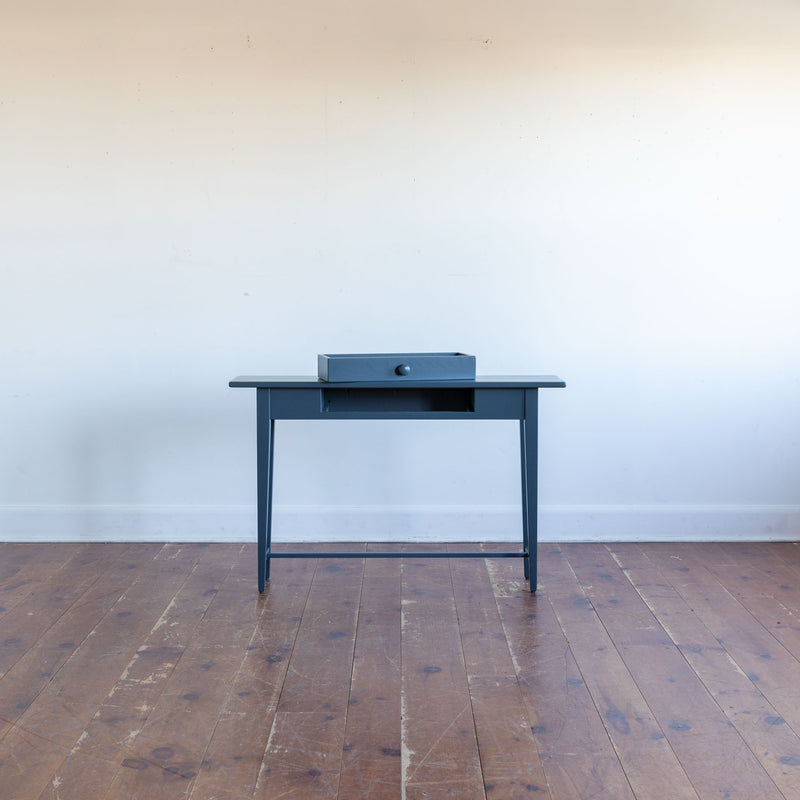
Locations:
(603, 190)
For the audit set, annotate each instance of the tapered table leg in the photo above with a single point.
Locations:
(265, 443)
(523, 472)
(528, 467)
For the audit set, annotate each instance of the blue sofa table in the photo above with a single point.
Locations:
(501, 397)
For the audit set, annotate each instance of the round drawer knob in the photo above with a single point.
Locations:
(402, 369)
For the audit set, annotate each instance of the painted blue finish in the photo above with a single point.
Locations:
(348, 367)
(528, 455)
(480, 382)
(265, 450)
(507, 397)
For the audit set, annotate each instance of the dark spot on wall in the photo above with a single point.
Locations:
(532, 787)
(679, 726)
(274, 659)
(352, 701)
(314, 773)
(431, 670)
(12, 640)
(391, 751)
(210, 592)
(207, 666)
(792, 761)
(766, 656)
(191, 696)
(242, 694)
(123, 614)
(574, 682)
(754, 676)
(657, 735)
(603, 575)
(163, 753)
(134, 763)
(774, 720)
(337, 635)
(538, 729)
(67, 645)
(331, 568)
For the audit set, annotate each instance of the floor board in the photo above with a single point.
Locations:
(637, 671)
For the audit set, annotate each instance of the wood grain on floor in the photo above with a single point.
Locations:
(637, 671)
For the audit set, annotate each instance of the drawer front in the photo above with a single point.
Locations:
(397, 367)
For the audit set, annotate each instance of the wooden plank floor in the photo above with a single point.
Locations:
(638, 671)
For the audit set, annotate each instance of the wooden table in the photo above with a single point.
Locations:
(497, 397)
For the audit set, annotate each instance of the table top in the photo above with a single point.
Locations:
(481, 382)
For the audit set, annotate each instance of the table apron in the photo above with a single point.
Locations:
(396, 403)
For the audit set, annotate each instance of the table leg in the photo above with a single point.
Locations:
(528, 467)
(265, 444)
(523, 470)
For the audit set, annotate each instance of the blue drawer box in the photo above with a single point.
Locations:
(348, 367)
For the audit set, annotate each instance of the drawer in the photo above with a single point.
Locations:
(352, 367)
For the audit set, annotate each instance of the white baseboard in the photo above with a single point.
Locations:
(575, 523)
